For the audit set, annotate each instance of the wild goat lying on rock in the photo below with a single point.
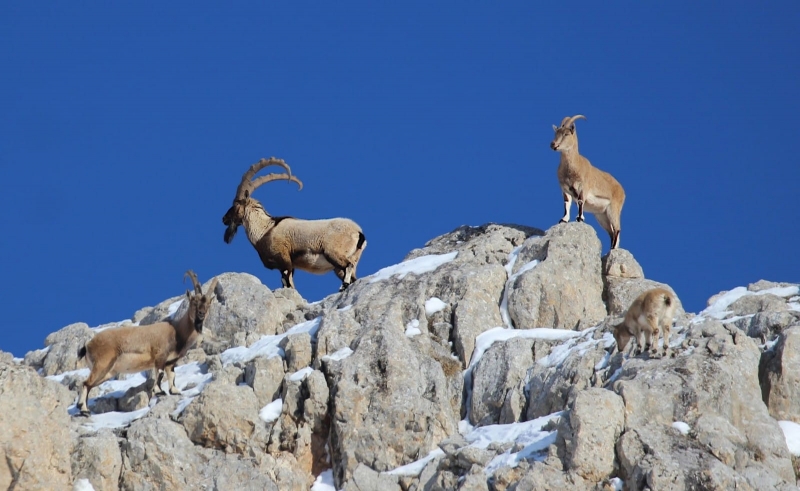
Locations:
(287, 243)
(651, 312)
(592, 188)
(132, 349)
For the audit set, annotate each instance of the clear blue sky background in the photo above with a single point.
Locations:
(124, 130)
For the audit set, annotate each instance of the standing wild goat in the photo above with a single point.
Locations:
(287, 243)
(132, 349)
(652, 311)
(592, 188)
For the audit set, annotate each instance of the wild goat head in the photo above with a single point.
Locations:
(236, 213)
(198, 302)
(565, 134)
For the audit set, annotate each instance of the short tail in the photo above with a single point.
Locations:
(667, 300)
(82, 352)
(362, 239)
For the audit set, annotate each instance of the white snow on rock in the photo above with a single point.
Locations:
(418, 266)
(300, 374)
(267, 346)
(791, 431)
(433, 305)
(412, 329)
(82, 485)
(718, 309)
(114, 419)
(338, 355)
(486, 339)
(324, 482)
(512, 259)
(414, 468)
(682, 427)
(81, 372)
(271, 411)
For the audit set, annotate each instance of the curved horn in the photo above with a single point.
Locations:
(277, 177)
(197, 288)
(573, 119)
(247, 185)
(212, 287)
(564, 121)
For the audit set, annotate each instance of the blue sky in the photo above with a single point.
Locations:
(124, 130)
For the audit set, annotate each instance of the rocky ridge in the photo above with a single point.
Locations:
(484, 361)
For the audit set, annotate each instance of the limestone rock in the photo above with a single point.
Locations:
(35, 441)
(565, 289)
(590, 431)
(224, 417)
(244, 305)
(64, 345)
(779, 374)
(621, 263)
(97, 458)
(265, 376)
(298, 351)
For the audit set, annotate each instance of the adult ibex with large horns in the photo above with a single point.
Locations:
(287, 243)
(596, 191)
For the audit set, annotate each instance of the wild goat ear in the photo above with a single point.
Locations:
(188, 295)
(555, 128)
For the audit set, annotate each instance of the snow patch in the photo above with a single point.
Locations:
(81, 372)
(300, 374)
(338, 355)
(173, 308)
(114, 419)
(718, 309)
(791, 431)
(486, 339)
(345, 308)
(324, 482)
(618, 483)
(271, 411)
(412, 328)
(82, 485)
(528, 435)
(418, 266)
(267, 346)
(414, 468)
(433, 305)
(682, 427)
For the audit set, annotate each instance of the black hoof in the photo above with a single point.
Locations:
(160, 393)
(579, 219)
(84, 414)
(562, 221)
(344, 286)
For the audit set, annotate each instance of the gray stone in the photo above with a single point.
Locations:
(622, 264)
(498, 382)
(244, 304)
(366, 479)
(97, 458)
(315, 407)
(298, 351)
(35, 440)
(542, 477)
(589, 433)
(779, 374)
(565, 289)
(224, 417)
(265, 376)
(64, 345)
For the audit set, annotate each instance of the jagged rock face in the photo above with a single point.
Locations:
(35, 440)
(564, 290)
(437, 360)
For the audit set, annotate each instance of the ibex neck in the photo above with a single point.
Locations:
(257, 223)
(571, 157)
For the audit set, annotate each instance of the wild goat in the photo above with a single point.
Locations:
(287, 243)
(592, 188)
(651, 312)
(132, 349)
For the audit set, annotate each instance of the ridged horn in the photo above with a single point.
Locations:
(198, 289)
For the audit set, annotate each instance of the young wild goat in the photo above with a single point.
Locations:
(592, 188)
(287, 243)
(651, 312)
(132, 349)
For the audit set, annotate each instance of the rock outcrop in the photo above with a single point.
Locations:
(484, 361)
